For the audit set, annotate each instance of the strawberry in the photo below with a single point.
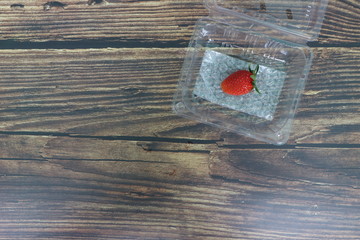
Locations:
(240, 82)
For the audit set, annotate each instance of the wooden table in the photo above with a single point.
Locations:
(90, 148)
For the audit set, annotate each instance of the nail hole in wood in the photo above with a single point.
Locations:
(54, 5)
(262, 6)
(17, 6)
(93, 2)
(289, 14)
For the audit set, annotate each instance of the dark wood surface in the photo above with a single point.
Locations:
(90, 149)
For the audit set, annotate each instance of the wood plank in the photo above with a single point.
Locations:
(128, 92)
(315, 176)
(140, 22)
(115, 189)
(92, 84)
(113, 20)
(322, 166)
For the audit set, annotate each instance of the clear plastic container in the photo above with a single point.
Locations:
(239, 34)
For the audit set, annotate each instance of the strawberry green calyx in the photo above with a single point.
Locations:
(253, 77)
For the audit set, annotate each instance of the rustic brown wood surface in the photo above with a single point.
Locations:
(90, 148)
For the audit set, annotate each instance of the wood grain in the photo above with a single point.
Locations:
(83, 188)
(141, 23)
(117, 20)
(90, 148)
(128, 92)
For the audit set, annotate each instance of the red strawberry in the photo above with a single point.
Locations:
(240, 82)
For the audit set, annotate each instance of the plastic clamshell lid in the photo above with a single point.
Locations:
(299, 17)
(218, 49)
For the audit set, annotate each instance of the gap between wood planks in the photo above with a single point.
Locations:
(217, 142)
(111, 138)
(115, 43)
